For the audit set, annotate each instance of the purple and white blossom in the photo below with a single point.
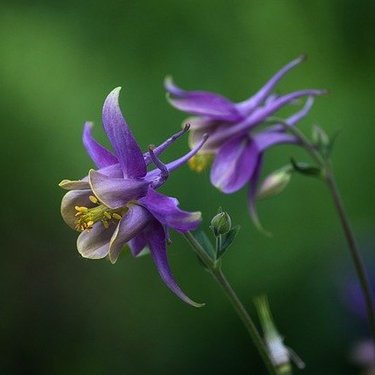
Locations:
(118, 204)
(235, 140)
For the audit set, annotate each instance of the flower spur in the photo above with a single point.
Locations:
(117, 204)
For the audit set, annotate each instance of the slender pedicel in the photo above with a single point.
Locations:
(219, 277)
(359, 265)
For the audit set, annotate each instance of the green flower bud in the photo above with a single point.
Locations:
(320, 137)
(275, 183)
(221, 223)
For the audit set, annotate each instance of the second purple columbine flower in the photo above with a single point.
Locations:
(118, 204)
(235, 141)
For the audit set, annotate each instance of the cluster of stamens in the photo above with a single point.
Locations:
(87, 217)
(199, 162)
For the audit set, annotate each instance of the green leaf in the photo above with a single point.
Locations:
(306, 169)
(328, 150)
(320, 137)
(201, 236)
(226, 240)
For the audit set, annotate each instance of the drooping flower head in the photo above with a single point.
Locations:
(118, 204)
(235, 141)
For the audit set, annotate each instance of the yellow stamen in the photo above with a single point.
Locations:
(199, 162)
(81, 209)
(87, 217)
(116, 216)
(93, 199)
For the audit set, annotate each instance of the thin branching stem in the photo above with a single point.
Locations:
(328, 176)
(354, 249)
(215, 270)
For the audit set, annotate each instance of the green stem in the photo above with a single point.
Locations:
(219, 276)
(354, 249)
(345, 223)
(306, 143)
(218, 243)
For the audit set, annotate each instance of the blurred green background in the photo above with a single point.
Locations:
(62, 314)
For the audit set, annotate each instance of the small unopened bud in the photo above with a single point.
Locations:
(275, 183)
(320, 137)
(221, 223)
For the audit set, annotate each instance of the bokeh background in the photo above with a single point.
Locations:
(61, 314)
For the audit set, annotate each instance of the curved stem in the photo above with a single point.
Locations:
(218, 275)
(345, 223)
(354, 250)
(305, 142)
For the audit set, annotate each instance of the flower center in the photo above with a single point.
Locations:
(199, 162)
(87, 217)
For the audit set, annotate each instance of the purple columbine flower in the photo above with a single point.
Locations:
(235, 141)
(118, 204)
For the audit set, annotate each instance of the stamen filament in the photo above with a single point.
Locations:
(87, 217)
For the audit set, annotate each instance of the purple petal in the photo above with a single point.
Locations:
(138, 243)
(268, 139)
(116, 192)
(166, 210)
(126, 149)
(250, 104)
(157, 244)
(201, 103)
(259, 116)
(131, 224)
(70, 200)
(234, 164)
(113, 171)
(94, 243)
(292, 120)
(99, 154)
(253, 185)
